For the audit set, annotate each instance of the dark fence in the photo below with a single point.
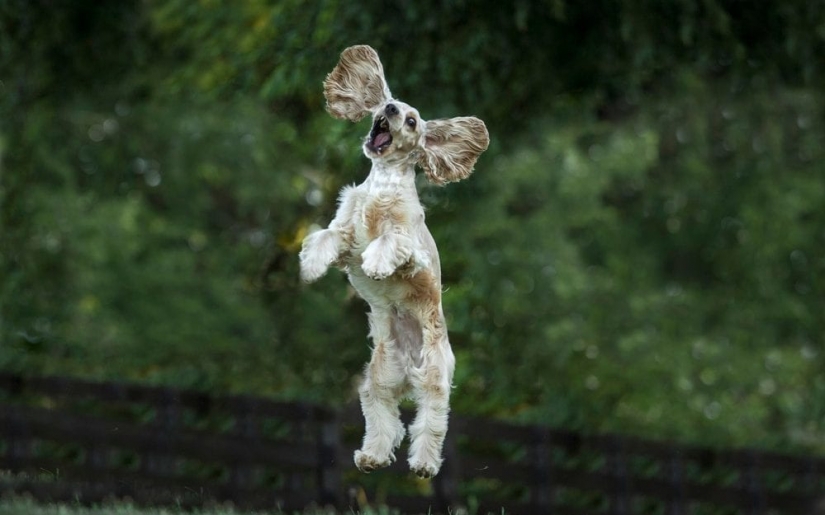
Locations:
(70, 440)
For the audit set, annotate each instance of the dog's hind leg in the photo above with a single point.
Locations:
(384, 384)
(431, 386)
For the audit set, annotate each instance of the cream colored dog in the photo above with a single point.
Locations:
(379, 238)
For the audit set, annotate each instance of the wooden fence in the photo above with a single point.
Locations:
(65, 439)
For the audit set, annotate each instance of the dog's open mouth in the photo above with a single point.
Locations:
(380, 137)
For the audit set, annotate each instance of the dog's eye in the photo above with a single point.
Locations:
(410, 122)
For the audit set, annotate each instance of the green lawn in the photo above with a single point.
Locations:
(22, 505)
(27, 506)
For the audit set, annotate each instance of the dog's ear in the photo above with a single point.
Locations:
(452, 147)
(356, 85)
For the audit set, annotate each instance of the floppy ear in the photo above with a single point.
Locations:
(356, 85)
(452, 147)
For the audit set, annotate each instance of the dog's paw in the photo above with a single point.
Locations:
(312, 270)
(320, 250)
(366, 463)
(424, 470)
(419, 260)
(377, 272)
(376, 266)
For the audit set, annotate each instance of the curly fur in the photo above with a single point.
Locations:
(378, 236)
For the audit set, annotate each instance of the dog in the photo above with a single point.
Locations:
(379, 238)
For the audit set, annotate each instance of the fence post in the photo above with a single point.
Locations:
(246, 428)
(617, 465)
(810, 480)
(446, 481)
(753, 485)
(160, 464)
(676, 478)
(329, 450)
(543, 494)
(97, 453)
(19, 445)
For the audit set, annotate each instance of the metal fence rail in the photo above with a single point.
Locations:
(72, 440)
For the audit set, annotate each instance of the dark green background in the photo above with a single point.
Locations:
(640, 250)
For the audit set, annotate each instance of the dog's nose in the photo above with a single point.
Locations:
(391, 110)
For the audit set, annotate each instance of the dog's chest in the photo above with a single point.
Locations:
(384, 209)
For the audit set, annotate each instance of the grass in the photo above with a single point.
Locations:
(25, 505)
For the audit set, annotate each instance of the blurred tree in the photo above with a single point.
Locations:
(639, 250)
(48, 53)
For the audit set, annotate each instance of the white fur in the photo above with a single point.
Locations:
(379, 237)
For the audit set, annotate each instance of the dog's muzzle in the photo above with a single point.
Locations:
(380, 138)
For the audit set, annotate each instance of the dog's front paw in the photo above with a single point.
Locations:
(320, 250)
(419, 260)
(312, 270)
(376, 265)
(366, 463)
(377, 271)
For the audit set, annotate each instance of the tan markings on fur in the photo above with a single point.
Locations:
(372, 220)
(424, 291)
(452, 148)
(348, 234)
(382, 216)
(432, 381)
(378, 365)
(384, 385)
(437, 320)
(356, 85)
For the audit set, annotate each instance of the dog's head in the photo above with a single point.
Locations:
(445, 149)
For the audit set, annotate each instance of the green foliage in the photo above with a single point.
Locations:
(640, 250)
(639, 247)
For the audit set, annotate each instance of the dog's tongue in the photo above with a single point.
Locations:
(380, 139)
